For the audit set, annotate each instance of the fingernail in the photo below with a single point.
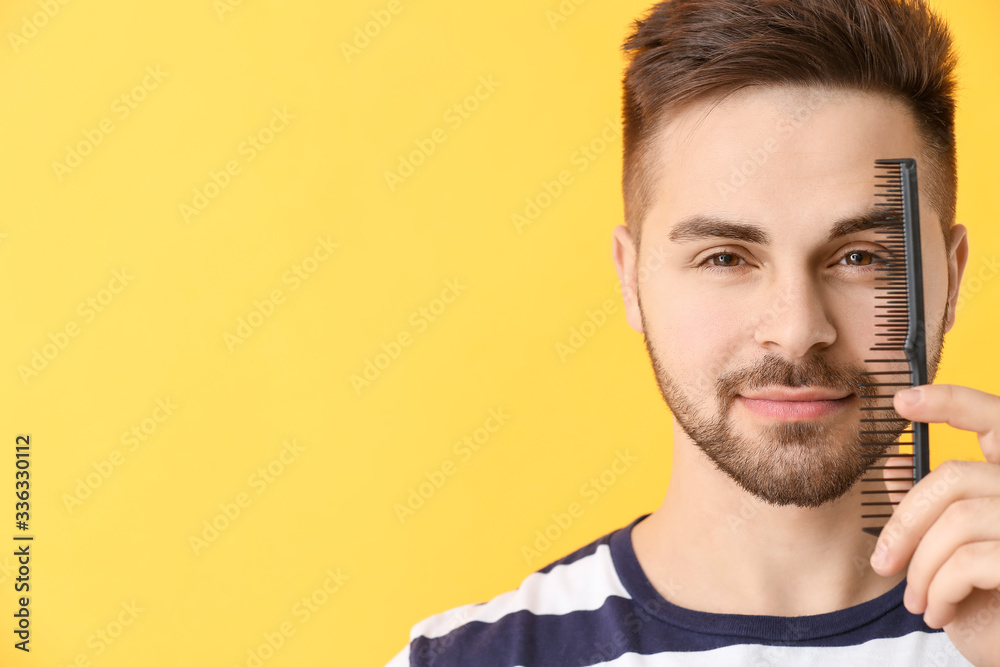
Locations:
(911, 396)
(880, 556)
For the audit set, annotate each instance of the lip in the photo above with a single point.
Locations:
(795, 405)
(787, 394)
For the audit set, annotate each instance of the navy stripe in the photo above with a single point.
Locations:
(523, 638)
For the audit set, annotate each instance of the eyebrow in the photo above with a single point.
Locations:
(700, 227)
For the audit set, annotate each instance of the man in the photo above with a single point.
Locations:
(748, 264)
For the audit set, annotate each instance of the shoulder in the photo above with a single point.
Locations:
(506, 629)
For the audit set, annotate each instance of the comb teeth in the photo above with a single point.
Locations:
(899, 326)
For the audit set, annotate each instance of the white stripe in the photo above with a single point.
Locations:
(917, 648)
(581, 585)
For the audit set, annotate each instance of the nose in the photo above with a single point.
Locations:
(793, 318)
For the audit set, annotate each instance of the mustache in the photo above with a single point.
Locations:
(773, 370)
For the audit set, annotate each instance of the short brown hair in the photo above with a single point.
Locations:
(691, 50)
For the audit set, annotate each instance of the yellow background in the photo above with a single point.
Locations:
(223, 71)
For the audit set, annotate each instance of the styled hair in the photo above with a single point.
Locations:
(694, 50)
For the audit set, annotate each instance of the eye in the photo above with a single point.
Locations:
(860, 257)
(726, 260)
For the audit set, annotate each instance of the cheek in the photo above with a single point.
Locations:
(935, 295)
(935, 269)
(852, 309)
(857, 329)
(858, 325)
(696, 334)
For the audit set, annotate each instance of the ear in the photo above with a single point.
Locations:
(623, 251)
(956, 268)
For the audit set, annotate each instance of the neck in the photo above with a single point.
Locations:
(735, 554)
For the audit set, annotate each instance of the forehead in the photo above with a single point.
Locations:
(792, 158)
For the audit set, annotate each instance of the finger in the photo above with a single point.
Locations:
(973, 566)
(962, 407)
(974, 520)
(924, 504)
(898, 476)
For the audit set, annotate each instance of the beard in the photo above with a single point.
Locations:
(804, 464)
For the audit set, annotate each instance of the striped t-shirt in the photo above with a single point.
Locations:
(596, 607)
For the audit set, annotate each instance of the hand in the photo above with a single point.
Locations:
(948, 527)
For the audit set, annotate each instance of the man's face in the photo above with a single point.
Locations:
(751, 289)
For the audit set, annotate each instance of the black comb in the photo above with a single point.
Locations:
(900, 328)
